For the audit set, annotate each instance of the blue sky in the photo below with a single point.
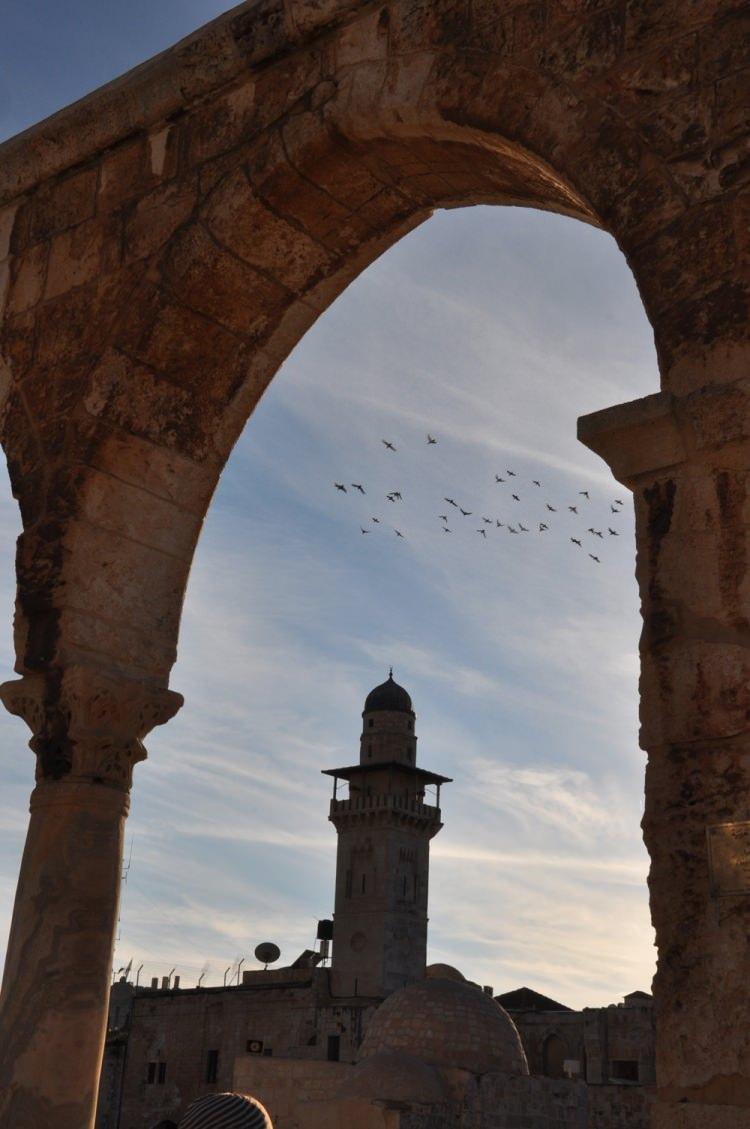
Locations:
(493, 329)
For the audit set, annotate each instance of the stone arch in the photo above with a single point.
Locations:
(161, 257)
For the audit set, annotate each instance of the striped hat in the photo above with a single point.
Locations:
(226, 1111)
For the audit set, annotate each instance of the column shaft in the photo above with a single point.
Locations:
(53, 1005)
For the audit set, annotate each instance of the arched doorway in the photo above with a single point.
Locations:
(553, 1056)
(234, 228)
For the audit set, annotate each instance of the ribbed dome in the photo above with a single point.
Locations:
(449, 1024)
(388, 696)
(226, 1111)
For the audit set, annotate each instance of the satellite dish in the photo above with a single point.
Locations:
(267, 953)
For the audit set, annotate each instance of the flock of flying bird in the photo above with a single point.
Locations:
(515, 526)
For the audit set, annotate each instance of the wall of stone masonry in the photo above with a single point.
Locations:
(619, 1107)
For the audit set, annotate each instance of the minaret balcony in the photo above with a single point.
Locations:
(407, 809)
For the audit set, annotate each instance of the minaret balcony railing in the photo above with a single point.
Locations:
(379, 802)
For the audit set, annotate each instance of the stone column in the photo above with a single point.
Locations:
(687, 462)
(53, 1008)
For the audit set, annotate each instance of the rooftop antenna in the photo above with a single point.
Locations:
(226, 972)
(239, 968)
(267, 953)
(138, 973)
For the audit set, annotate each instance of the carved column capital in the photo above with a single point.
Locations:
(643, 439)
(88, 725)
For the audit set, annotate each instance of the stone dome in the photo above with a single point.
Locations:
(388, 696)
(444, 972)
(393, 1077)
(226, 1111)
(449, 1024)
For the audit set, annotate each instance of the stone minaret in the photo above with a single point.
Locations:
(382, 866)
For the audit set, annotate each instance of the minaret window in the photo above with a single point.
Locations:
(370, 723)
(364, 883)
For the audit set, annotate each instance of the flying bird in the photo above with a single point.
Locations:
(499, 524)
(584, 493)
(511, 529)
(498, 478)
(551, 509)
(396, 494)
(542, 527)
(450, 501)
(363, 530)
(397, 533)
(535, 483)
(358, 486)
(595, 558)
(512, 473)
(430, 440)
(483, 532)
(619, 502)
(391, 497)
(376, 520)
(466, 513)
(340, 486)
(613, 532)
(487, 520)
(387, 444)
(575, 542)
(515, 497)
(445, 529)
(443, 517)
(573, 509)
(614, 509)
(522, 528)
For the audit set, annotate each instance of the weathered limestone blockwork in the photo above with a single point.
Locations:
(166, 242)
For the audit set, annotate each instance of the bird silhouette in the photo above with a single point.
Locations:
(535, 483)
(585, 493)
(340, 486)
(575, 542)
(613, 532)
(376, 520)
(445, 529)
(387, 444)
(619, 502)
(466, 513)
(595, 558)
(542, 527)
(391, 497)
(430, 440)
(591, 529)
(573, 509)
(499, 524)
(363, 530)
(483, 532)
(512, 473)
(396, 495)
(515, 497)
(443, 517)
(487, 520)
(511, 529)
(551, 509)
(398, 533)
(358, 486)
(498, 478)
(598, 533)
(614, 509)
(450, 502)
(522, 528)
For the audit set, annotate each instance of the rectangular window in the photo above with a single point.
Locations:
(624, 1070)
(364, 883)
(334, 1048)
(212, 1065)
(162, 1073)
(151, 1072)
